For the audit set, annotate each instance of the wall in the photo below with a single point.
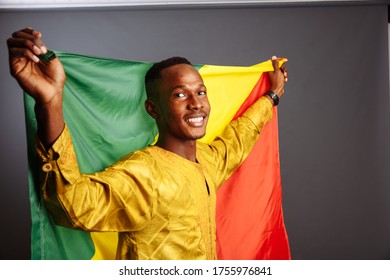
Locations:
(334, 119)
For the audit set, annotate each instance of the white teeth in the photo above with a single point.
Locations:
(199, 119)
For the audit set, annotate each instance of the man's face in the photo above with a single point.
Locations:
(182, 103)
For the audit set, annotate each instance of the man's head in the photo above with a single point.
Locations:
(153, 75)
(177, 99)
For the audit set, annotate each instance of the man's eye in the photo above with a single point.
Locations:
(180, 95)
(202, 92)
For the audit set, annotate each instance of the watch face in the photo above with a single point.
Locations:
(276, 99)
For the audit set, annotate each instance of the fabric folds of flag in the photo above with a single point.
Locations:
(104, 111)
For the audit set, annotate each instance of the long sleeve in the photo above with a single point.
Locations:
(111, 200)
(225, 154)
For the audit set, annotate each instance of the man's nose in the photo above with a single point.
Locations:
(195, 103)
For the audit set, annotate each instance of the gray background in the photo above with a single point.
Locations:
(334, 119)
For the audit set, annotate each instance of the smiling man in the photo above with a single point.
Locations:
(177, 100)
(161, 199)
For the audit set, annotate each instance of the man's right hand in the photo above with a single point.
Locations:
(42, 80)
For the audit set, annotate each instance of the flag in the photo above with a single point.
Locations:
(103, 104)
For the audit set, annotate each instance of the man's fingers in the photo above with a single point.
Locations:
(20, 43)
(28, 31)
(275, 62)
(28, 38)
(23, 53)
(38, 42)
(284, 71)
(26, 43)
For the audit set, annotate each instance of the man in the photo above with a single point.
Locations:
(161, 199)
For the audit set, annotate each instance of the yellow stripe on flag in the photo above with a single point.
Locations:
(105, 245)
(227, 89)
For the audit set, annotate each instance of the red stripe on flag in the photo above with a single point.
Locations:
(250, 223)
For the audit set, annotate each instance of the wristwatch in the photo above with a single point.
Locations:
(274, 97)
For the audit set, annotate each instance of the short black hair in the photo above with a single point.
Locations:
(154, 73)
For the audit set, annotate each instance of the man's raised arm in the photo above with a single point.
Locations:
(41, 79)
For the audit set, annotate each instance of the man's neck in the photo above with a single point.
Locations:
(185, 149)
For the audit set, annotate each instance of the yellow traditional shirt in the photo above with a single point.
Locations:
(162, 205)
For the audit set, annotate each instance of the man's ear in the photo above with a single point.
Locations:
(151, 108)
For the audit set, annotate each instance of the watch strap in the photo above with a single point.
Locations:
(274, 97)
